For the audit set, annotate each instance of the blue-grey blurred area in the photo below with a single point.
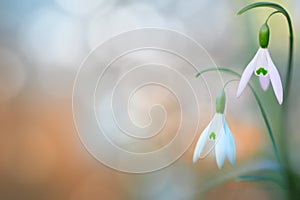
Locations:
(42, 44)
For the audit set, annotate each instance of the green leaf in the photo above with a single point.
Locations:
(250, 167)
(261, 178)
(251, 178)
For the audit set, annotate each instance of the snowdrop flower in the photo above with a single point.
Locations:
(263, 67)
(216, 136)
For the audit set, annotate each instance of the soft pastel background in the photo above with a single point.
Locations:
(41, 46)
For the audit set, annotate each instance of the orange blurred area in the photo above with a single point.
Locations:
(239, 191)
(40, 151)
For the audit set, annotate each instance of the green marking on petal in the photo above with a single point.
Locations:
(212, 136)
(261, 71)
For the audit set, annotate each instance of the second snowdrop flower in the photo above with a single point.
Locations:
(216, 136)
(263, 66)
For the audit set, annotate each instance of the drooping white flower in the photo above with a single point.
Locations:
(216, 136)
(263, 66)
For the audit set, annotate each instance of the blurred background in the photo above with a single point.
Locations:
(42, 44)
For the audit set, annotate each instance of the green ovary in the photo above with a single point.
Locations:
(261, 71)
(212, 136)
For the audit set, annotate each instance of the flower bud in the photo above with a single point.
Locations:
(220, 102)
(264, 34)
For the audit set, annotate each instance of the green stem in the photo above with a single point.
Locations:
(262, 110)
(292, 179)
(230, 81)
(273, 13)
(224, 69)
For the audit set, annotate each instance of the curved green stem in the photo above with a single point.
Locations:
(273, 13)
(262, 110)
(224, 69)
(230, 81)
(283, 11)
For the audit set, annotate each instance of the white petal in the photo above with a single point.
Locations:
(215, 127)
(220, 149)
(264, 82)
(230, 147)
(275, 80)
(200, 143)
(262, 60)
(248, 73)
